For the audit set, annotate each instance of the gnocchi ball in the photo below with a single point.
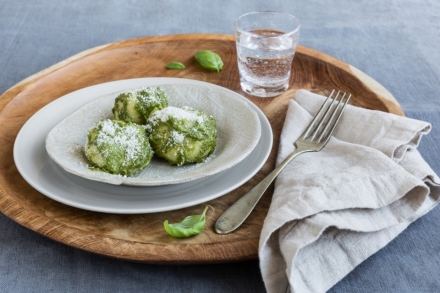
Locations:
(182, 135)
(117, 147)
(137, 106)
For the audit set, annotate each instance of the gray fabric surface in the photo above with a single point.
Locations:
(395, 42)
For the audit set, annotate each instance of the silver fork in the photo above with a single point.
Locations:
(313, 139)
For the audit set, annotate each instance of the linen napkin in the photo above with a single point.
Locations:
(332, 209)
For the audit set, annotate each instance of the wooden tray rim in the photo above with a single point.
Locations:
(44, 225)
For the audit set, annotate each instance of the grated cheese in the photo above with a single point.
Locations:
(125, 137)
(177, 113)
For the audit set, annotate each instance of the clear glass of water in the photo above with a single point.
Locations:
(266, 43)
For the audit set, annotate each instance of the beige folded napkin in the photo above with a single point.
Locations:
(332, 209)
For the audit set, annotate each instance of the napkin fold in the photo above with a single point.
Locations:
(332, 209)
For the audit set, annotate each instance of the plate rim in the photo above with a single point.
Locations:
(263, 122)
(181, 177)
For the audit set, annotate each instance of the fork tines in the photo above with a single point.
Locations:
(325, 121)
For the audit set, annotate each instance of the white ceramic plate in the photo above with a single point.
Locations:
(47, 177)
(238, 131)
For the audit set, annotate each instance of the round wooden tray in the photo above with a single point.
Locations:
(142, 237)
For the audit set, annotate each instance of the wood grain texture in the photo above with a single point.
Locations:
(141, 237)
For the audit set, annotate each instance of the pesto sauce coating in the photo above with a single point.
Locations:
(182, 135)
(117, 147)
(137, 106)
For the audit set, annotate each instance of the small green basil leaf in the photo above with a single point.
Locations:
(175, 65)
(209, 60)
(190, 226)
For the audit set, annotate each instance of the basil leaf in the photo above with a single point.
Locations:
(175, 65)
(190, 226)
(209, 60)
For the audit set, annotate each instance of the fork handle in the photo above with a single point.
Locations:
(237, 213)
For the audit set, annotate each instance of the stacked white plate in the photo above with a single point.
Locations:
(48, 150)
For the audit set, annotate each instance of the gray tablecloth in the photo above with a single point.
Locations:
(395, 42)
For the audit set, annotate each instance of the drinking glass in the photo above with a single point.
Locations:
(266, 43)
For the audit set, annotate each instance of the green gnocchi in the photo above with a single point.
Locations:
(182, 135)
(144, 125)
(137, 106)
(117, 147)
